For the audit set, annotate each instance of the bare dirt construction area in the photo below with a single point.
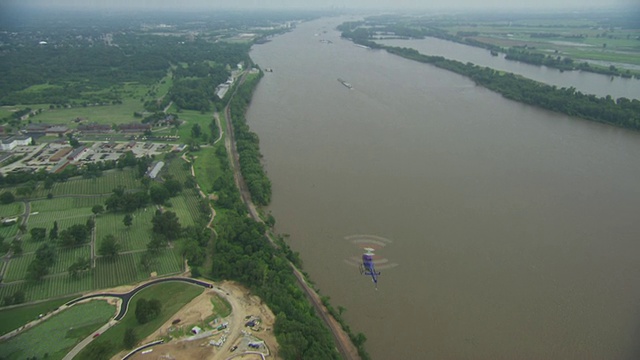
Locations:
(245, 333)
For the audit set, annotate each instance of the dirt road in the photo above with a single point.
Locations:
(243, 305)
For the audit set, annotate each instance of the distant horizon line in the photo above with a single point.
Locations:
(193, 8)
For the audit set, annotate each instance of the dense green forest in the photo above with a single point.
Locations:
(620, 112)
(93, 68)
(248, 146)
(194, 86)
(242, 252)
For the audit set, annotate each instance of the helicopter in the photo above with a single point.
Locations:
(367, 267)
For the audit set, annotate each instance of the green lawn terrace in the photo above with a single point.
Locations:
(56, 336)
(11, 210)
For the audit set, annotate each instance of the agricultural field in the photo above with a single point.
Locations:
(579, 38)
(55, 337)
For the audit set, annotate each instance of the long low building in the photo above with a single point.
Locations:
(156, 169)
(10, 143)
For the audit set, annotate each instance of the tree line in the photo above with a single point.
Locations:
(74, 70)
(621, 112)
(354, 30)
(248, 145)
(241, 252)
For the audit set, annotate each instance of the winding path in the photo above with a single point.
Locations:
(124, 306)
(126, 297)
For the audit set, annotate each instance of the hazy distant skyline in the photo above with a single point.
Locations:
(317, 4)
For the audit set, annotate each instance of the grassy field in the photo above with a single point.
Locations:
(221, 306)
(16, 317)
(181, 207)
(104, 184)
(55, 337)
(126, 268)
(100, 185)
(178, 169)
(12, 210)
(173, 296)
(207, 168)
(133, 97)
(191, 117)
(579, 38)
(50, 287)
(135, 237)
(17, 268)
(71, 204)
(103, 114)
(6, 111)
(8, 232)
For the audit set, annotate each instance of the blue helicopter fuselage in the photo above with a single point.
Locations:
(369, 268)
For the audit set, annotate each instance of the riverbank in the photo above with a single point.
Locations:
(622, 112)
(486, 208)
(342, 339)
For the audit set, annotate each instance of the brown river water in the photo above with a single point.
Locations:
(502, 231)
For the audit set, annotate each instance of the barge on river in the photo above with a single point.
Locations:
(343, 82)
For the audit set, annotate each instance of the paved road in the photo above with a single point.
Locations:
(76, 349)
(126, 297)
(140, 348)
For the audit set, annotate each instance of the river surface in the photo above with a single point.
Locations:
(502, 231)
(586, 82)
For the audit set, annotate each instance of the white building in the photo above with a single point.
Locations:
(10, 143)
(156, 169)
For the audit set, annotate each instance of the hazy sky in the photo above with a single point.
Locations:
(298, 4)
